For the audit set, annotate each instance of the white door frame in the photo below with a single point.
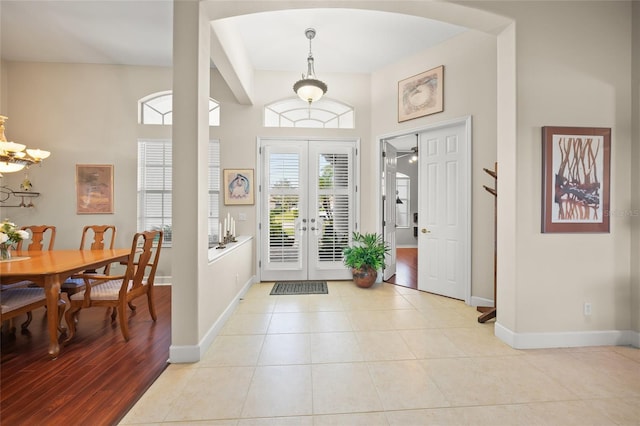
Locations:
(466, 120)
(258, 187)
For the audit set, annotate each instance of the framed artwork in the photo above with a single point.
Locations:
(421, 95)
(238, 186)
(575, 179)
(94, 188)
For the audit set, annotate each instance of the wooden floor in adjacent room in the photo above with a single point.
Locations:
(96, 379)
(406, 268)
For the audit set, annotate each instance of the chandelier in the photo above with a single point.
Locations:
(310, 89)
(13, 157)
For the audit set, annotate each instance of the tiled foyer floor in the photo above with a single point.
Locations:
(388, 355)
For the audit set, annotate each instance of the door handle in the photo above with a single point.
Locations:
(425, 231)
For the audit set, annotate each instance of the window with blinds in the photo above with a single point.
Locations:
(284, 188)
(155, 191)
(333, 206)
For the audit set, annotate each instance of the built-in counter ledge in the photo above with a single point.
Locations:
(215, 254)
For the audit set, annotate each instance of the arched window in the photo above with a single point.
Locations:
(325, 113)
(155, 169)
(157, 108)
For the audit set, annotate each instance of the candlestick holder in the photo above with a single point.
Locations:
(220, 245)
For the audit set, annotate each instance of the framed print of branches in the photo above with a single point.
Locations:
(575, 179)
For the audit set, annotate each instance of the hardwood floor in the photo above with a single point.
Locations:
(98, 376)
(406, 268)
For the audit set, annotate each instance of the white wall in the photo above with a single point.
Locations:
(573, 64)
(469, 61)
(635, 171)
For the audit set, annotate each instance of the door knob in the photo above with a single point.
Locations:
(424, 231)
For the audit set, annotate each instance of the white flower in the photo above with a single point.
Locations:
(23, 234)
(3, 238)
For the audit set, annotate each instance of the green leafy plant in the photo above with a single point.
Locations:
(367, 250)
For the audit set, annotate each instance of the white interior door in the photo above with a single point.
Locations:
(307, 209)
(444, 234)
(390, 167)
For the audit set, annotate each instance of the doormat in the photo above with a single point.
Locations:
(299, 287)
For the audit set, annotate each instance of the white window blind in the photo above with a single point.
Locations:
(155, 190)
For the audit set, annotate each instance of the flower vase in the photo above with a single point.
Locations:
(5, 252)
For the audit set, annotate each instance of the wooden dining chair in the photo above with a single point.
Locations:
(118, 292)
(94, 237)
(18, 301)
(42, 238)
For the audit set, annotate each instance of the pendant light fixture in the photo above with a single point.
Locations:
(309, 88)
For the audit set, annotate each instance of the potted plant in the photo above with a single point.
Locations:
(365, 257)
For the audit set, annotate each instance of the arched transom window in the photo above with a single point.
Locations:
(157, 108)
(325, 113)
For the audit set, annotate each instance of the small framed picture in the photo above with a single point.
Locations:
(238, 186)
(575, 179)
(94, 188)
(421, 95)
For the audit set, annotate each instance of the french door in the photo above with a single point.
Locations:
(307, 208)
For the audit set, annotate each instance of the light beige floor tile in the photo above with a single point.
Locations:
(594, 374)
(256, 305)
(325, 303)
(278, 421)
(290, 322)
(622, 411)
(359, 419)
(237, 350)
(343, 388)
(370, 320)
(569, 413)
(383, 346)
(323, 322)
(154, 405)
(246, 324)
(474, 341)
(291, 303)
(376, 303)
(230, 422)
(498, 415)
(335, 347)
(408, 319)
(405, 385)
(628, 351)
(495, 380)
(259, 290)
(285, 349)
(430, 344)
(279, 391)
(212, 393)
(447, 318)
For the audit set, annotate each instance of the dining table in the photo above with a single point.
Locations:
(49, 269)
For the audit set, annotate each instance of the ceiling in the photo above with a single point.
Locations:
(140, 33)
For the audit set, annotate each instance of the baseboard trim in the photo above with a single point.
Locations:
(481, 301)
(570, 339)
(194, 353)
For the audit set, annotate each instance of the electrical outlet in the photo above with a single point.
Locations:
(242, 216)
(587, 309)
